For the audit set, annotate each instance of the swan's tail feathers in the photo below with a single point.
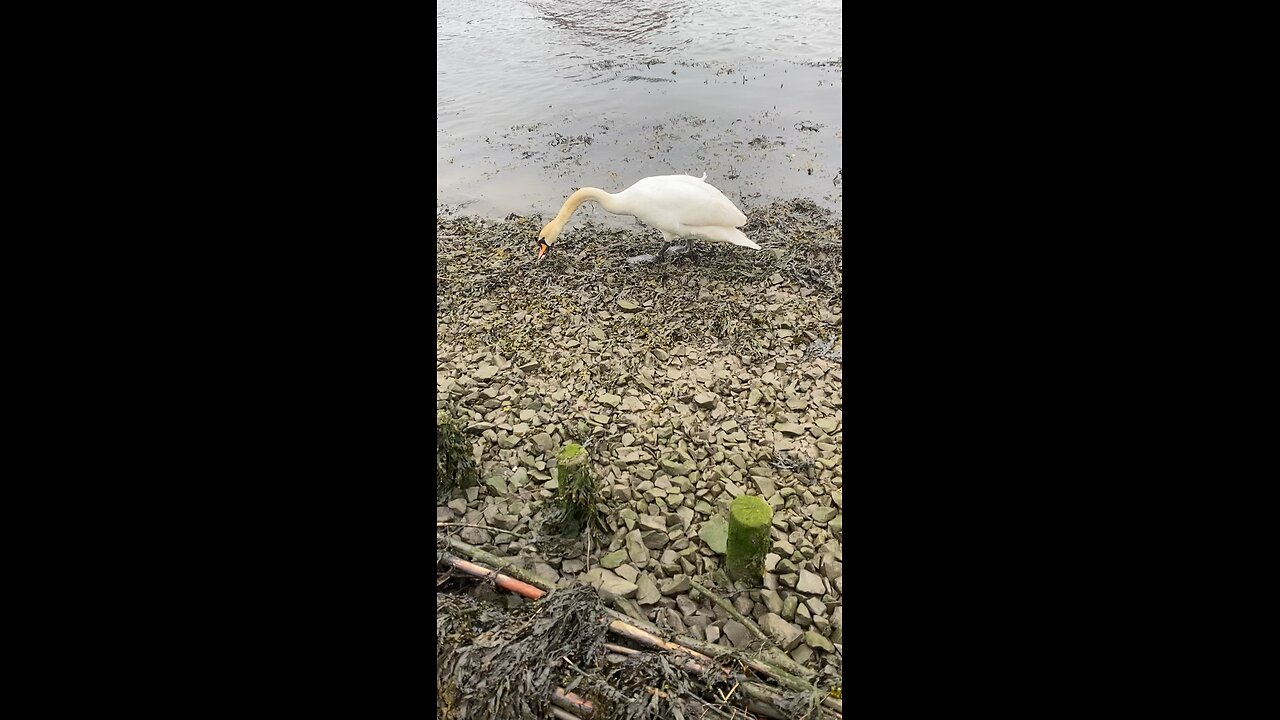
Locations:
(716, 233)
(695, 177)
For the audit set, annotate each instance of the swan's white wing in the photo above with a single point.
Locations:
(668, 201)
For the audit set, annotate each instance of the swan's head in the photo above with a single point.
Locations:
(546, 237)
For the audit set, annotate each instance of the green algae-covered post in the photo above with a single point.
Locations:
(455, 466)
(749, 520)
(575, 488)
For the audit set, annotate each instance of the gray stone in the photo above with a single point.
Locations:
(771, 561)
(816, 606)
(610, 400)
(789, 428)
(810, 583)
(713, 633)
(678, 584)
(686, 517)
(802, 653)
(828, 424)
(715, 533)
(653, 523)
(629, 517)
(782, 632)
(546, 572)
(519, 478)
(822, 514)
(616, 587)
(789, 605)
(627, 572)
(655, 540)
(816, 641)
(646, 593)
(544, 442)
(674, 468)
(485, 372)
(705, 399)
(636, 549)
(772, 600)
(789, 579)
(627, 305)
(687, 606)
(674, 620)
(614, 559)
(767, 488)
(802, 616)
(572, 567)
(738, 634)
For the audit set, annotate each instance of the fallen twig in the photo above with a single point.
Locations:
(482, 527)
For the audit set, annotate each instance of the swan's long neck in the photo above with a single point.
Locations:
(606, 200)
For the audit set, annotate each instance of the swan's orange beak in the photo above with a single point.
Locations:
(543, 247)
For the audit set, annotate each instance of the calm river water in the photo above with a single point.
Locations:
(537, 99)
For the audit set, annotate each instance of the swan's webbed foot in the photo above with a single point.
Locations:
(671, 251)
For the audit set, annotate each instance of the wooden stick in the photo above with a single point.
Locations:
(502, 564)
(572, 702)
(505, 582)
(500, 531)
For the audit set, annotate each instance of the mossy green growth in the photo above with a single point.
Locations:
(749, 520)
(576, 490)
(455, 465)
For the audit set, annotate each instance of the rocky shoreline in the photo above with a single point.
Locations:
(689, 382)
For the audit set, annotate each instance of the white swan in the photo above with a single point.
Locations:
(678, 205)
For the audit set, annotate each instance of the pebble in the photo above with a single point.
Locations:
(738, 634)
(810, 583)
(782, 632)
(678, 584)
(646, 592)
(636, 549)
(816, 641)
(613, 559)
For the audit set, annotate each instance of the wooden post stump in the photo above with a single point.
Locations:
(749, 520)
(576, 489)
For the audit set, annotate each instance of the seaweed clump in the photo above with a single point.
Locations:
(623, 691)
(499, 664)
(455, 466)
